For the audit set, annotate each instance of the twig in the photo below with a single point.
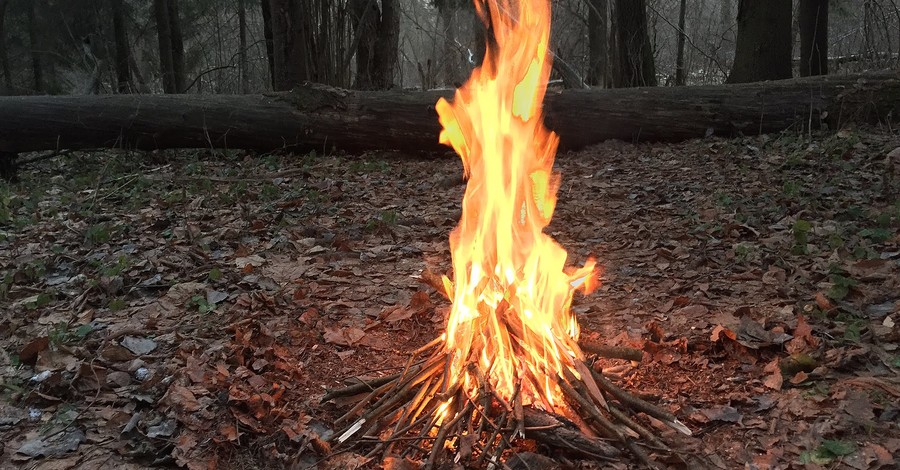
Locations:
(47, 156)
(640, 405)
(611, 352)
(362, 386)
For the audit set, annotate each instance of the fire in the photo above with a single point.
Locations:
(511, 290)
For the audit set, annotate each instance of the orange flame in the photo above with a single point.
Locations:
(511, 291)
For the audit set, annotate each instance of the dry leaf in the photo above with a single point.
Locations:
(799, 377)
(823, 302)
(29, 353)
(229, 432)
(775, 379)
(182, 398)
(396, 313)
(803, 339)
(692, 311)
(334, 335)
(719, 333)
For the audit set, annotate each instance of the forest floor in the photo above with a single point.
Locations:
(191, 308)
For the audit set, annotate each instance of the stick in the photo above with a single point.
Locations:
(640, 405)
(611, 352)
(362, 386)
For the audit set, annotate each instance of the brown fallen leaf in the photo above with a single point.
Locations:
(692, 311)
(343, 336)
(396, 313)
(803, 339)
(871, 269)
(228, 432)
(720, 333)
(310, 317)
(354, 335)
(334, 335)
(182, 398)
(775, 379)
(420, 301)
(29, 353)
(799, 377)
(823, 302)
(885, 459)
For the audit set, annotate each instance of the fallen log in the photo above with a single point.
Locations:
(315, 117)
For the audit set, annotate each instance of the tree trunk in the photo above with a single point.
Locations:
(387, 44)
(323, 118)
(242, 55)
(613, 76)
(35, 43)
(123, 69)
(290, 43)
(4, 53)
(364, 19)
(598, 46)
(636, 67)
(763, 49)
(177, 45)
(679, 59)
(451, 66)
(813, 19)
(267, 35)
(164, 40)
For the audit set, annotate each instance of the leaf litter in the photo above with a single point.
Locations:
(192, 308)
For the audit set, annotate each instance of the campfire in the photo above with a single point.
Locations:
(509, 364)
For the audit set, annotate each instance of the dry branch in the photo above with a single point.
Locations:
(422, 413)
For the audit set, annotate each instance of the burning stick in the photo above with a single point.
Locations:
(509, 362)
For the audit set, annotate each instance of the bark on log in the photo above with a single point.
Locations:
(321, 118)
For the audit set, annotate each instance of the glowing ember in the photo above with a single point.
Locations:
(511, 290)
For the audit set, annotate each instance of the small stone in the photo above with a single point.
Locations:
(142, 374)
(38, 378)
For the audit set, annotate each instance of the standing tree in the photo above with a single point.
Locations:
(813, 19)
(763, 49)
(37, 67)
(679, 58)
(242, 53)
(123, 69)
(387, 44)
(598, 44)
(635, 53)
(377, 42)
(4, 53)
(290, 43)
(164, 40)
(364, 19)
(177, 44)
(267, 35)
